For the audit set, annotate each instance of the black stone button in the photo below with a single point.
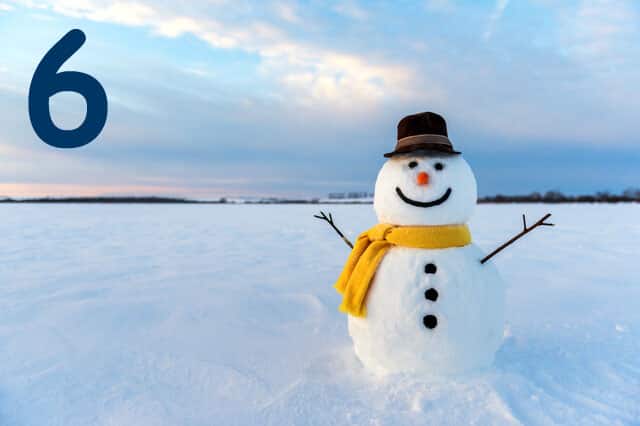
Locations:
(430, 268)
(431, 294)
(430, 321)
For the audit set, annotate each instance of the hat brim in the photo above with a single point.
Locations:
(425, 147)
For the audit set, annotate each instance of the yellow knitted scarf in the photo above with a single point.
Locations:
(372, 245)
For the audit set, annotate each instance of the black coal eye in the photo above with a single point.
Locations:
(439, 166)
(413, 164)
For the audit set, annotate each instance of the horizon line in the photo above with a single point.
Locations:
(630, 195)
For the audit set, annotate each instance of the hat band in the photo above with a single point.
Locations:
(432, 139)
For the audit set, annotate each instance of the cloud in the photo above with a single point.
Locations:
(311, 72)
(495, 17)
(198, 72)
(4, 7)
(9, 86)
(440, 5)
(601, 38)
(287, 12)
(597, 29)
(351, 10)
(125, 13)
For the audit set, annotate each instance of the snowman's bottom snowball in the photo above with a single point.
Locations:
(469, 309)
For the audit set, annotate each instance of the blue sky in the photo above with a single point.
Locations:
(242, 98)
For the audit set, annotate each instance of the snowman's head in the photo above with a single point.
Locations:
(425, 188)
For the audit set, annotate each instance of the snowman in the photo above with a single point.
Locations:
(420, 295)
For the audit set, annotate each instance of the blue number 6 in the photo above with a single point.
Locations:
(47, 81)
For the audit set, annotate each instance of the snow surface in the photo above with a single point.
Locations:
(222, 314)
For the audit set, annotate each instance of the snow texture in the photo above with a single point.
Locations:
(222, 314)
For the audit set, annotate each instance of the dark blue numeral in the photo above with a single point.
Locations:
(47, 81)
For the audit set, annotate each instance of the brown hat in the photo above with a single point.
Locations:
(423, 131)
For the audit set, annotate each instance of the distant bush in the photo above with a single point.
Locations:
(629, 195)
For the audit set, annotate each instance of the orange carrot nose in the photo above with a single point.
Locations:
(422, 178)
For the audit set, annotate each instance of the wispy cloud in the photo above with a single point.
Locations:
(287, 12)
(351, 10)
(314, 73)
(198, 71)
(440, 5)
(494, 19)
(8, 85)
(4, 7)
(597, 29)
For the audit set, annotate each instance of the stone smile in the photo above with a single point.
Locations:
(424, 204)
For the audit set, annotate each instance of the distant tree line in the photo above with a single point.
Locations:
(349, 195)
(630, 195)
(110, 200)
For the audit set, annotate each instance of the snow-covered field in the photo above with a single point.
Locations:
(224, 315)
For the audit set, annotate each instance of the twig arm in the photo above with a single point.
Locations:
(522, 233)
(329, 220)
